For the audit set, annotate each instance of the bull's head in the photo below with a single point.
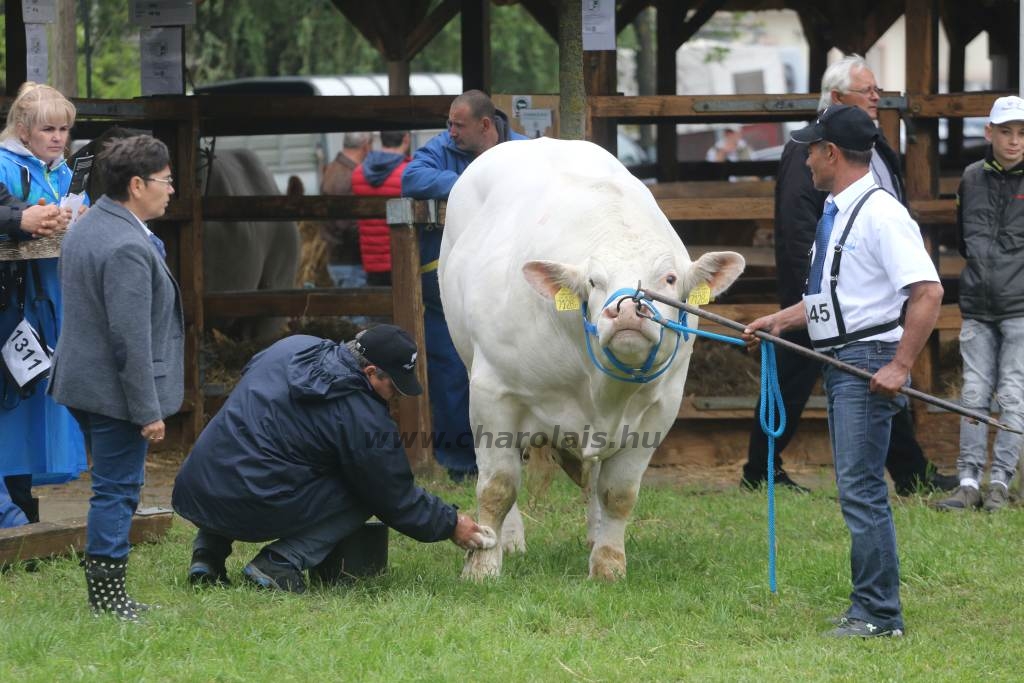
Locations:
(623, 327)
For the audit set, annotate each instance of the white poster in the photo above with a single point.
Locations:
(39, 11)
(535, 122)
(598, 24)
(162, 12)
(161, 61)
(36, 57)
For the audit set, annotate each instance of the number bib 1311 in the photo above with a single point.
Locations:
(24, 355)
(821, 316)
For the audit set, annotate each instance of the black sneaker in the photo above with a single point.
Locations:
(271, 571)
(207, 570)
(781, 479)
(848, 627)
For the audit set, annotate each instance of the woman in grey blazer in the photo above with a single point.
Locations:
(119, 363)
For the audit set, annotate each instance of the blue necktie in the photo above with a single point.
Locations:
(821, 236)
(158, 244)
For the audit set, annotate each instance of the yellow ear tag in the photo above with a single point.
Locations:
(699, 295)
(566, 300)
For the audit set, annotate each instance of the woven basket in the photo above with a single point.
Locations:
(44, 247)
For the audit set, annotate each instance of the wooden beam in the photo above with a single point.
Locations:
(545, 14)
(253, 114)
(285, 208)
(431, 25)
(375, 301)
(925, 105)
(709, 108)
(628, 11)
(704, 12)
(49, 539)
(754, 208)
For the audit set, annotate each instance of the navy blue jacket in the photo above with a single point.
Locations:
(303, 439)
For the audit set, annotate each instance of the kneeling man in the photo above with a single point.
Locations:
(303, 452)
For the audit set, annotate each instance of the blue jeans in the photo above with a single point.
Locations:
(118, 452)
(859, 425)
(448, 383)
(304, 549)
(993, 354)
(10, 514)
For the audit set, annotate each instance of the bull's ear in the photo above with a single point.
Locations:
(717, 268)
(547, 277)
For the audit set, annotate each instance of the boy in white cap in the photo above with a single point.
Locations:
(990, 217)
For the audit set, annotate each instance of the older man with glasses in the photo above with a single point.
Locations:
(798, 206)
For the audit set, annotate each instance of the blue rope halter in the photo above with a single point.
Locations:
(772, 408)
(619, 370)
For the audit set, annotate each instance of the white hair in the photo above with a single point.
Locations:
(356, 140)
(838, 76)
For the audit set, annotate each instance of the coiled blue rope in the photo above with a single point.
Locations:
(772, 411)
(772, 408)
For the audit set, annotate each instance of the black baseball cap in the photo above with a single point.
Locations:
(391, 349)
(843, 125)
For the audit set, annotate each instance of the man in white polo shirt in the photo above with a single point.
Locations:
(872, 299)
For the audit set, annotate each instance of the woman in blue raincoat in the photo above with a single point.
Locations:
(39, 440)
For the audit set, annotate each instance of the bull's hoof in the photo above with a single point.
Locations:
(513, 541)
(482, 564)
(607, 564)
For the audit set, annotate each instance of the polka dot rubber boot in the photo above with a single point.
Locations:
(104, 581)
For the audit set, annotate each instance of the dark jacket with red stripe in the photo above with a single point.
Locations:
(379, 175)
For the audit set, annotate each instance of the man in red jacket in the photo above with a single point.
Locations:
(380, 175)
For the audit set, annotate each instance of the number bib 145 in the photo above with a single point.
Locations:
(24, 355)
(821, 318)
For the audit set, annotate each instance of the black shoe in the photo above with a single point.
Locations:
(207, 570)
(856, 628)
(781, 479)
(270, 570)
(934, 481)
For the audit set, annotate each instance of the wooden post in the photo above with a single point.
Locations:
(398, 77)
(190, 269)
(669, 29)
(413, 413)
(599, 79)
(476, 45)
(922, 21)
(17, 59)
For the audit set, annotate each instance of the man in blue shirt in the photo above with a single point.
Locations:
(474, 126)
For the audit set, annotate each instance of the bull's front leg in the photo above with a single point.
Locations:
(616, 492)
(496, 491)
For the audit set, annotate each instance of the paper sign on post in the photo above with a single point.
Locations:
(535, 122)
(598, 24)
(163, 12)
(39, 11)
(37, 62)
(161, 61)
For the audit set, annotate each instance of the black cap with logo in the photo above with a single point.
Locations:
(391, 349)
(845, 126)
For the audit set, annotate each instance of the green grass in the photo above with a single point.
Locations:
(695, 606)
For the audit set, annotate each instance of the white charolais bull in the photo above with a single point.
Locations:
(538, 236)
